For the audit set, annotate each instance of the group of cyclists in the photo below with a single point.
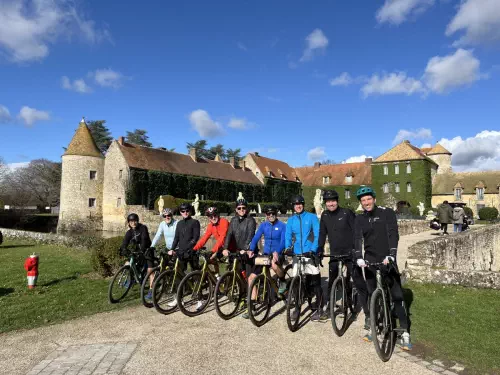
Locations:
(369, 237)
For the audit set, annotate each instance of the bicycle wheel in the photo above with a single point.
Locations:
(121, 284)
(146, 288)
(165, 292)
(194, 293)
(259, 308)
(228, 295)
(383, 334)
(338, 307)
(294, 303)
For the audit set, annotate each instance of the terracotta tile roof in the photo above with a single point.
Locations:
(147, 158)
(445, 183)
(438, 149)
(276, 167)
(402, 152)
(426, 150)
(313, 176)
(83, 143)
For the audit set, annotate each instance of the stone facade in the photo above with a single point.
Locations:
(443, 161)
(470, 258)
(490, 200)
(250, 164)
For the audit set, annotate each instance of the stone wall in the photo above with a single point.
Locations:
(47, 238)
(407, 226)
(470, 258)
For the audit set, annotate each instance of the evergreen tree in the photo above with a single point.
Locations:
(138, 137)
(100, 133)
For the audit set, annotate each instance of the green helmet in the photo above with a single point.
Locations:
(365, 190)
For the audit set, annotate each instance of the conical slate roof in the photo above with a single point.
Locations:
(438, 149)
(83, 143)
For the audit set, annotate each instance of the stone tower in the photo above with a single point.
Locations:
(442, 157)
(81, 183)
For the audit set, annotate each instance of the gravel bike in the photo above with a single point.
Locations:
(129, 274)
(231, 288)
(163, 261)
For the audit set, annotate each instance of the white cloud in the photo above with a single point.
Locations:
(242, 46)
(316, 153)
(238, 123)
(344, 79)
(78, 85)
(426, 145)
(204, 125)
(14, 166)
(31, 115)
(443, 74)
(481, 152)
(316, 41)
(403, 134)
(107, 78)
(393, 83)
(356, 159)
(4, 114)
(28, 28)
(479, 20)
(398, 11)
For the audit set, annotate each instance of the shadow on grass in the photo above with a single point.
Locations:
(57, 281)
(14, 246)
(5, 291)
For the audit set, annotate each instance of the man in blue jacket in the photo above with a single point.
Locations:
(304, 227)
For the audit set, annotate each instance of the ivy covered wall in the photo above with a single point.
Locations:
(310, 191)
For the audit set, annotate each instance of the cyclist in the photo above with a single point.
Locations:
(338, 224)
(187, 233)
(217, 227)
(377, 228)
(304, 226)
(167, 228)
(137, 235)
(239, 235)
(273, 231)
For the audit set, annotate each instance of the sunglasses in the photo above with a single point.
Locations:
(212, 217)
(184, 211)
(241, 208)
(167, 216)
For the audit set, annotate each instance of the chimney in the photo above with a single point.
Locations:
(192, 153)
(218, 158)
(231, 161)
(242, 164)
(368, 160)
(121, 141)
(256, 154)
(317, 164)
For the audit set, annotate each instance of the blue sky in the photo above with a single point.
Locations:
(329, 79)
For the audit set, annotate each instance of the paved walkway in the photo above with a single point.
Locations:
(137, 340)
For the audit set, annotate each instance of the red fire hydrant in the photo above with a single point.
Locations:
(31, 265)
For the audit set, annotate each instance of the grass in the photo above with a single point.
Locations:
(66, 287)
(457, 323)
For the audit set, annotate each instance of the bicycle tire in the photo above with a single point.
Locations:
(184, 289)
(144, 285)
(336, 310)
(123, 271)
(163, 283)
(294, 301)
(258, 282)
(227, 279)
(377, 311)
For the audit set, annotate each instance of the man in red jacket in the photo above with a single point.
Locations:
(216, 228)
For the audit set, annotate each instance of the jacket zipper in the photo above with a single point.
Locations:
(301, 247)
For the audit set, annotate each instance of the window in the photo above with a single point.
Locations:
(347, 194)
(480, 194)
(386, 170)
(93, 175)
(326, 180)
(396, 168)
(458, 194)
(91, 202)
(256, 173)
(396, 187)
(408, 187)
(120, 173)
(348, 179)
(386, 188)
(408, 168)
(118, 202)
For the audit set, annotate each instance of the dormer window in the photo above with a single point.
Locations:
(480, 193)
(326, 180)
(458, 194)
(348, 179)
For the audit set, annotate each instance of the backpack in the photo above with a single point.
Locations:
(457, 214)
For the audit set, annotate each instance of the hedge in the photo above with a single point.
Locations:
(104, 256)
(488, 213)
(469, 212)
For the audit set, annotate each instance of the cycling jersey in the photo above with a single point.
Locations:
(240, 233)
(187, 234)
(138, 236)
(168, 231)
(218, 231)
(339, 226)
(305, 228)
(274, 237)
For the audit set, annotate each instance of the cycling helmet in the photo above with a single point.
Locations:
(241, 202)
(271, 209)
(185, 206)
(298, 199)
(212, 211)
(167, 212)
(132, 217)
(365, 190)
(330, 195)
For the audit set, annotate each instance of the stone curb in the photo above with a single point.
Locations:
(436, 365)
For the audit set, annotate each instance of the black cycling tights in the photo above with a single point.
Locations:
(313, 283)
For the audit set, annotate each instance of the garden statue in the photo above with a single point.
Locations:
(421, 208)
(196, 206)
(289, 212)
(318, 203)
(240, 196)
(161, 203)
(431, 215)
(360, 208)
(258, 207)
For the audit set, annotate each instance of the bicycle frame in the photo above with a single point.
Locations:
(205, 270)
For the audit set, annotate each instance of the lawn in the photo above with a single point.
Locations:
(456, 323)
(66, 289)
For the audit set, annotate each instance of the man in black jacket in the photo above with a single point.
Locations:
(338, 223)
(187, 233)
(377, 228)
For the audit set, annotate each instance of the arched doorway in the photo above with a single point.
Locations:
(403, 207)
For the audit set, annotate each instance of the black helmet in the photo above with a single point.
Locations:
(330, 195)
(212, 211)
(185, 206)
(271, 209)
(241, 202)
(298, 199)
(132, 217)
